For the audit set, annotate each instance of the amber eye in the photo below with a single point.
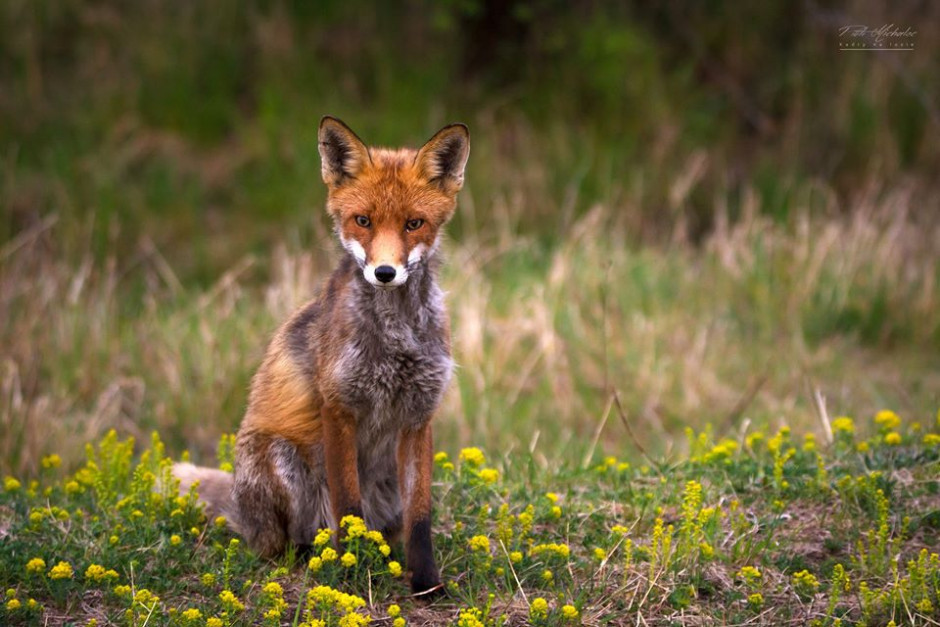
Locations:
(413, 225)
(363, 221)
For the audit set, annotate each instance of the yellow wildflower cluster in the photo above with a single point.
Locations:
(230, 602)
(569, 612)
(62, 570)
(323, 536)
(538, 609)
(273, 599)
(887, 420)
(750, 575)
(472, 456)
(328, 606)
(480, 544)
(489, 475)
(470, 618)
(99, 573)
(805, 581)
(36, 565)
(843, 425)
(560, 550)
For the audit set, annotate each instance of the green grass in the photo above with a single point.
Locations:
(738, 234)
(759, 528)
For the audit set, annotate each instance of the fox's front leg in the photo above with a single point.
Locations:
(414, 479)
(342, 471)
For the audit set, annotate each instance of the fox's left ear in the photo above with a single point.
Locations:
(442, 160)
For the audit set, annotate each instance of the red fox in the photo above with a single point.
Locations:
(339, 413)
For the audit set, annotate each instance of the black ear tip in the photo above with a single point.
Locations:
(329, 120)
(458, 127)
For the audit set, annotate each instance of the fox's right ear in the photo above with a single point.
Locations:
(342, 153)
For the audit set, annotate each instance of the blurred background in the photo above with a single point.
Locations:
(712, 209)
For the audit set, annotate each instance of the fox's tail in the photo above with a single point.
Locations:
(214, 489)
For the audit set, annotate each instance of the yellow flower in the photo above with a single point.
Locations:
(440, 458)
(51, 461)
(489, 475)
(175, 540)
(122, 590)
(394, 568)
(556, 512)
(538, 608)
(398, 622)
(230, 601)
(385, 550)
(749, 574)
(893, 438)
(328, 554)
(931, 439)
(560, 550)
(805, 580)
(355, 526)
(470, 618)
(348, 560)
(13, 605)
(570, 612)
(547, 576)
(862, 447)
(315, 564)
(472, 456)
(10, 484)
(208, 579)
(32, 604)
(323, 536)
(599, 554)
(73, 487)
(515, 557)
(273, 588)
(62, 570)
(393, 610)
(887, 420)
(219, 521)
(191, 615)
(214, 622)
(479, 543)
(145, 597)
(756, 601)
(843, 424)
(551, 496)
(36, 565)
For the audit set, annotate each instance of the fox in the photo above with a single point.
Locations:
(338, 419)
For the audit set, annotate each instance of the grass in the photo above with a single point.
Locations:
(759, 528)
(705, 243)
(746, 326)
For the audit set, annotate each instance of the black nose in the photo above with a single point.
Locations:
(385, 273)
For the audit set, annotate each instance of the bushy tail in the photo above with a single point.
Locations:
(214, 489)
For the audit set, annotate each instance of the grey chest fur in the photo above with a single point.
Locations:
(393, 371)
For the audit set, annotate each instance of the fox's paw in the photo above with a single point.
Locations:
(426, 582)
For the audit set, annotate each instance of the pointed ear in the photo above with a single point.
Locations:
(342, 153)
(444, 157)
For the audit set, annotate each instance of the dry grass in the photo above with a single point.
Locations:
(739, 328)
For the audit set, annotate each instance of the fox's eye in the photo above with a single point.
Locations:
(363, 221)
(414, 225)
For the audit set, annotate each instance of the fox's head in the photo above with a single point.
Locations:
(389, 205)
